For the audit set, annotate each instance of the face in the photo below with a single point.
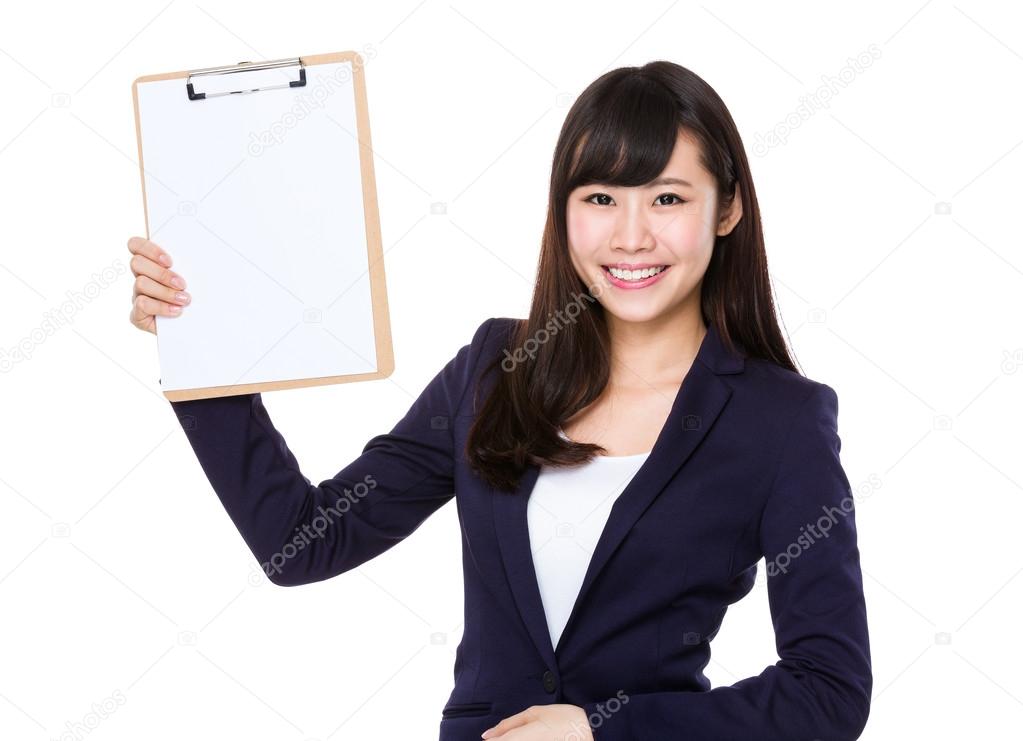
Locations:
(645, 249)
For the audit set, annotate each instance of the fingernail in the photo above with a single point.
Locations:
(177, 282)
(486, 733)
(165, 260)
(182, 297)
(175, 310)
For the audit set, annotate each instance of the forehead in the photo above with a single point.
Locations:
(685, 159)
(635, 163)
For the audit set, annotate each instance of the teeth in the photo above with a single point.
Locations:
(635, 274)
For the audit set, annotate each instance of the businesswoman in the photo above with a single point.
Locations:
(621, 459)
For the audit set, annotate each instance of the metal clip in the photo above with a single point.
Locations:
(225, 75)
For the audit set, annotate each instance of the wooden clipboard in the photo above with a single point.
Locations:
(253, 241)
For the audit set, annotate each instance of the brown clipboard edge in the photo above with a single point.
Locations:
(374, 243)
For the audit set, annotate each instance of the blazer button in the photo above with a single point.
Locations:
(548, 681)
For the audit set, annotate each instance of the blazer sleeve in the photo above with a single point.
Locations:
(301, 533)
(821, 687)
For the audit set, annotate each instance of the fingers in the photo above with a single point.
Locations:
(150, 260)
(512, 721)
(157, 290)
(146, 286)
(144, 308)
(148, 249)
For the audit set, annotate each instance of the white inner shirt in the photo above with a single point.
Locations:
(566, 512)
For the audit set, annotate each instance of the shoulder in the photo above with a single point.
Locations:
(488, 342)
(488, 345)
(786, 402)
(777, 395)
(489, 332)
(498, 329)
(493, 336)
(790, 389)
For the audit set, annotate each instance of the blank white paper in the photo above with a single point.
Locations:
(258, 199)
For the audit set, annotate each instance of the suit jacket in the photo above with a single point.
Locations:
(745, 468)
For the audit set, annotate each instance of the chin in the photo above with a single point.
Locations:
(634, 314)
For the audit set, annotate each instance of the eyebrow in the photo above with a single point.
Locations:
(651, 184)
(670, 181)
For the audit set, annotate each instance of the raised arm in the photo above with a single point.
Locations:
(820, 689)
(301, 533)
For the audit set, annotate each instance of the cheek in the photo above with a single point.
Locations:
(583, 230)
(690, 234)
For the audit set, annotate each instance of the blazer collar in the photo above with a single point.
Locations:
(697, 405)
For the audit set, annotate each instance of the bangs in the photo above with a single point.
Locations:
(631, 133)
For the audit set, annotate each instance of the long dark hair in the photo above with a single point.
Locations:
(621, 131)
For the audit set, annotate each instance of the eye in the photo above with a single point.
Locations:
(658, 200)
(670, 195)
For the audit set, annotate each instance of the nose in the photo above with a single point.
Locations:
(632, 232)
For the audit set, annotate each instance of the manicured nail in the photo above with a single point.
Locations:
(165, 259)
(175, 310)
(182, 297)
(177, 282)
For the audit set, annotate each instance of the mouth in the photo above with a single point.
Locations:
(634, 276)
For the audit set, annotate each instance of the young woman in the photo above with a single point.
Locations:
(621, 459)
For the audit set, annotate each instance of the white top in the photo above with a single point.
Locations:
(566, 512)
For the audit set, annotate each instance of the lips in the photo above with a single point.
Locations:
(623, 282)
(633, 265)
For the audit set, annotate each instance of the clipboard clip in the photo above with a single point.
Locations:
(239, 78)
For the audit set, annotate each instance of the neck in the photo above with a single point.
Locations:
(657, 351)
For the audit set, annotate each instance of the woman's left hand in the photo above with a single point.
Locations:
(544, 723)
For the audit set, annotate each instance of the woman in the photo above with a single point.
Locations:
(648, 399)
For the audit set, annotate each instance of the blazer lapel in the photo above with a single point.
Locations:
(697, 405)
(513, 540)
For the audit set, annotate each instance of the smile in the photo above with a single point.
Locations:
(635, 277)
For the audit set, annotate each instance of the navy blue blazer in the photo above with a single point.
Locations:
(745, 468)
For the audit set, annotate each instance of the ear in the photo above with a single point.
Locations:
(729, 218)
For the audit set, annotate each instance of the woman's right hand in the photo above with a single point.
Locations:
(157, 289)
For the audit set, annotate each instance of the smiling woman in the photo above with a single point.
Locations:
(663, 228)
(652, 210)
(651, 339)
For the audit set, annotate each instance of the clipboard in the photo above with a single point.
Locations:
(258, 179)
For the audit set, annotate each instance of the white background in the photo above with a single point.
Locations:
(122, 577)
